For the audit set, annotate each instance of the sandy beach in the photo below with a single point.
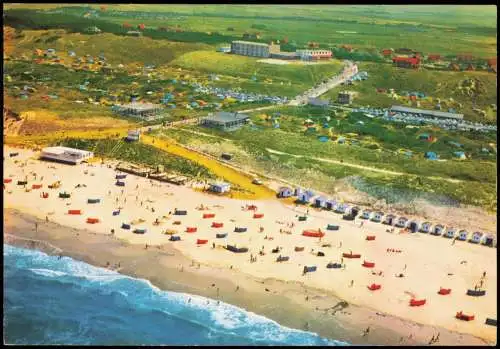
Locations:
(291, 298)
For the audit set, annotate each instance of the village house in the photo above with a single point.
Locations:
(433, 58)
(146, 111)
(66, 155)
(345, 97)
(93, 30)
(430, 155)
(285, 192)
(318, 102)
(404, 51)
(406, 62)
(225, 121)
(454, 67)
(387, 52)
(377, 216)
(426, 227)
(133, 136)
(341, 208)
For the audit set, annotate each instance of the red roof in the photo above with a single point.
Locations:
(434, 57)
(387, 52)
(411, 60)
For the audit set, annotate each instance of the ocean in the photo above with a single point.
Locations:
(48, 300)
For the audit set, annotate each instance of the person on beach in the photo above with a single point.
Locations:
(46, 218)
(352, 283)
(189, 300)
(36, 227)
(484, 274)
(213, 244)
(361, 224)
(237, 288)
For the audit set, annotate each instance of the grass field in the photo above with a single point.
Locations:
(431, 29)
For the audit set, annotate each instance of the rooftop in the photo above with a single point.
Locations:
(227, 116)
(141, 106)
(249, 43)
(439, 114)
(62, 150)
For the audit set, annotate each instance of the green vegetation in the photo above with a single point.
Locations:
(140, 154)
(435, 85)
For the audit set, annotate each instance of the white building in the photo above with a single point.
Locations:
(450, 233)
(462, 235)
(438, 230)
(366, 214)
(426, 227)
(66, 155)
(220, 187)
(476, 237)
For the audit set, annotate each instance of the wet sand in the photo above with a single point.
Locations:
(284, 302)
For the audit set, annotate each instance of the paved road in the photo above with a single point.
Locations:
(348, 71)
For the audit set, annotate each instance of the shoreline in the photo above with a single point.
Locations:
(281, 301)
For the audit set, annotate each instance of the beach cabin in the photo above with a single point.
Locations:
(341, 208)
(462, 235)
(298, 191)
(377, 216)
(320, 202)
(285, 192)
(414, 226)
(353, 211)
(426, 227)
(401, 222)
(366, 214)
(331, 204)
(390, 219)
(220, 187)
(450, 233)
(438, 230)
(476, 237)
(489, 239)
(305, 196)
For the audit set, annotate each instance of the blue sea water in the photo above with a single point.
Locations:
(48, 300)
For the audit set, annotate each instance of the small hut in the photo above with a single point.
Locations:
(426, 227)
(220, 187)
(401, 222)
(353, 211)
(331, 204)
(489, 239)
(377, 216)
(462, 235)
(285, 192)
(298, 191)
(414, 226)
(389, 219)
(320, 202)
(366, 214)
(341, 208)
(450, 233)
(438, 230)
(476, 237)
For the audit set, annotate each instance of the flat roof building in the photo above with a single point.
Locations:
(147, 111)
(253, 49)
(425, 112)
(225, 121)
(345, 97)
(66, 155)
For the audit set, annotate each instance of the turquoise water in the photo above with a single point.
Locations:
(48, 300)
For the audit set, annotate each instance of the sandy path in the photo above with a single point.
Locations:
(434, 258)
(227, 173)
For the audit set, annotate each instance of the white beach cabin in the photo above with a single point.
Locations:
(331, 204)
(401, 222)
(377, 216)
(367, 214)
(341, 208)
(320, 202)
(489, 240)
(450, 233)
(389, 219)
(285, 192)
(414, 226)
(426, 227)
(462, 235)
(476, 237)
(438, 230)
